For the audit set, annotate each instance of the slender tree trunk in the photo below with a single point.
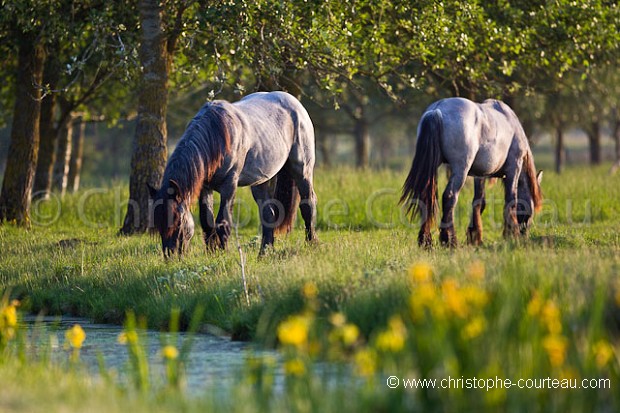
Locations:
(560, 155)
(616, 138)
(23, 150)
(77, 152)
(149, 156)
(594, 136)
(324, 149)
(47, 149)
(48, 133)
(63, 157)
(362, 142)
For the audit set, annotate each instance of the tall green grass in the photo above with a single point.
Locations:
(77, 265)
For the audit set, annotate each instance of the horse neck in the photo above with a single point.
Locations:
(187, 170)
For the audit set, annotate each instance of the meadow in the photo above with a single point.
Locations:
(366, 299)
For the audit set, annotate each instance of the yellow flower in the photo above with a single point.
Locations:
(603, 352)
(170, 352)
(475, 296)
(294, 330)
(130, 337)
(550, 315)
(534, 306)
(420, 272)
(75, 336)
(555, 346)
(350, 333)
(393, 339)
(476, 271)
(344, 332)
(9, 316)
(474, 328)
(337, 319)
(424, 296)
(454, 298)
(8, 319)
(309, 290)
(295, 367)
(365, 362)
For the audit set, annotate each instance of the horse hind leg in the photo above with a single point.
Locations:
(266, 206)
(447, 235)
(474, 230)
(307, 206)
(425, 239)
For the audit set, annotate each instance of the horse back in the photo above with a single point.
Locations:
(276, 129)
(477, 137)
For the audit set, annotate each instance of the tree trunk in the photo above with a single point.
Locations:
(616, 138)
(77, 152)
(23, 150)
(63, 157)
(594, 136)
(324, 149)
(148, 159)
(362, 142)
(48, 133)
(559, 148)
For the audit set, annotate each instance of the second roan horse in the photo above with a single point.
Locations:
(476, 139)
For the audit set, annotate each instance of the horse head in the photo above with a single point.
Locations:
(172, 218)
(525, 202)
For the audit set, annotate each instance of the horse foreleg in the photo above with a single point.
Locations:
(266, 208)
(474, 231)
(511, 182)
(307, 206)
(224, 215)
(447, 235)
(207, 219)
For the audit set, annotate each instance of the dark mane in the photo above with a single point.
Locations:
(201, 150)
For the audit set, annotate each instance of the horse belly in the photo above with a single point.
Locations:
(261, 166)
(487, 163)
(252, 176)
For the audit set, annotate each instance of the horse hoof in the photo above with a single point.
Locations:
(223, 233)
(447, 237)
(474, 238)
(312, 240)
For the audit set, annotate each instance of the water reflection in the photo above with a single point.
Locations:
(213, 361)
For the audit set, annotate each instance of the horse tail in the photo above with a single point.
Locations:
(532, 179)
(420, 188)
(287, 196)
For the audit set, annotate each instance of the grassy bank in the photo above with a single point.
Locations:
(546, 307)
(76, 264)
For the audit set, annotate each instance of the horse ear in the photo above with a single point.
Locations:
(152, 191)
(539, 176)
(174, 189)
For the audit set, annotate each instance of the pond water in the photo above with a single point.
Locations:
(213, 361)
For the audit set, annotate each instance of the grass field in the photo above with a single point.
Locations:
(545, 307)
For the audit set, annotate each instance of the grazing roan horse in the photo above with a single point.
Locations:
(476, 139)
(265, 141)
